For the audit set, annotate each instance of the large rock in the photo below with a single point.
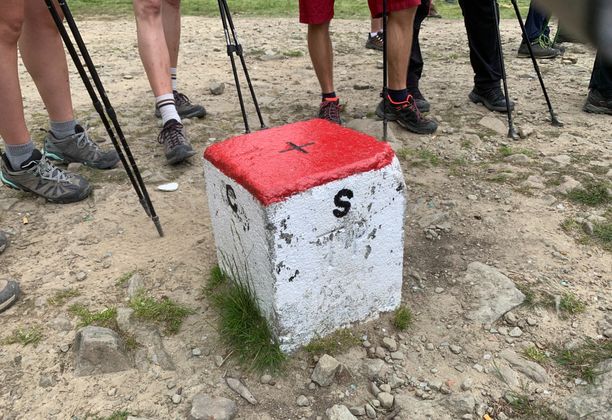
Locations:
(594, 403)
(325, 371)
(494, 294)
(494, 124)
(415, 408)
(206, 407)
(528, 368)
(374, 368)
(339, 412)
(99, 350)
(460, 404)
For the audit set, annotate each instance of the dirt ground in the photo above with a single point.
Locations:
(469, 200)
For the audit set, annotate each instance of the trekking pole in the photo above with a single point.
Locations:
(553, 117)
(511, 130)
(234, 47)
(385, 70)
(107, 112)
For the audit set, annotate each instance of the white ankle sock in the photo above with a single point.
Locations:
(167, 108)
(173, 77)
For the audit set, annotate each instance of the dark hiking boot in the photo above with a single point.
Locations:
(492, 99)
(78, 147)
(407, 115)
(176, 146)
(596, 103)
(330, 110)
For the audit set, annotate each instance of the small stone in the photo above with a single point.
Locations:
(361, 86)
(467, 384)
(339, 412)
(74, 167)
(455, 349)
(515, 332)
(81, 275)
(238, 387)
(439, 290)
(216, 88)
(219, 361)
(176, 399)
(429, 346)
(302, 401)
(532, 322)
(366, 344)
(196, 352)
(169, 187)
(358, 411)
(472, 197)
(206, 407)
(99, 350)
(390, 344)
(385, 388)
(325, 371)
(386, 399)
(478, 368)
(265, 379)
(46, 381)
(112, 392)
(510, 318)
(135, 285)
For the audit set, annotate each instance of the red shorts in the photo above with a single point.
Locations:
(316, 12)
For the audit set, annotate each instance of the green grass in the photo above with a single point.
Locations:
(242, 326)
(25, 336)
(165, 312)
(60, 297)
(402, 318)
(571, 305)
(106, 318)
(117, 415)
(333, 344)
(506, 151)
(581, 362)
(591, 195)
(603, 234)
(524, 409)
(530, 296)
(122, 281)
(535, 354)
(418, 157)
(344, 8)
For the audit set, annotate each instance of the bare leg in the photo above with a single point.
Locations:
(376, 25)
(152, 45)
(322, 56)
(399, 36)
(42, 53)
(171, 16)
(12, 124)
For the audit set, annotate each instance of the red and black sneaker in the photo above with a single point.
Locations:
(330, 110)
(407, 115)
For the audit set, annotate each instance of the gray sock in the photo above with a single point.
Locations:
(63, 129)
(19, 153)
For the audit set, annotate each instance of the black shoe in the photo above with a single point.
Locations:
(375, 42)
(176, 146)
(407, 115)
(419, 99)
(540, 49)
(596, 103)
(492, 99)
(184, 107)
(330, 110)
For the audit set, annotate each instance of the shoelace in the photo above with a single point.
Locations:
(83, 141)
(172, 134)
(181, 99)
(410, 104)
(331, 110)
(544, 41)
(46, 170)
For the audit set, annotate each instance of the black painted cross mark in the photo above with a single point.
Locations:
(299, 148)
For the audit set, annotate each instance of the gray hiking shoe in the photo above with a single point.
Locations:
(79, 148)
(9, 292)
(38, 175)
(3, 241)
(184, 107)
(176, 146)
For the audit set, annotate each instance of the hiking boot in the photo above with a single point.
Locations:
(407, 115)
(9, 292)
(596, 103)
(375, 42)
(330, 110)
(541, 47)
(3, 241)
(38, 175)
(492, 99)
(78, 147)
(419, 99)
(184, 107)
(176, 146)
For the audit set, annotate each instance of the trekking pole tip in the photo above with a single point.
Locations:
(158, 226)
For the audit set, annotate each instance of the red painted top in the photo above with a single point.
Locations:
(277, 163)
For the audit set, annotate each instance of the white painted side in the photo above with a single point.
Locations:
(348, 269)
(314, 272)
(241, 237)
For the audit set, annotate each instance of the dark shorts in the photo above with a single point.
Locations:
(316, 12)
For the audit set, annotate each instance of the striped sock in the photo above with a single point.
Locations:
(167, 108)
(173, 77)
(19, 153)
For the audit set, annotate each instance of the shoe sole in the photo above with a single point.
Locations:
(9, 296)
(408, 127)
(51, 200)
(180, 156)
(195, 114)
(59, 159)
(527, 55)
(477, 99)
(369, 47)
(594, 109)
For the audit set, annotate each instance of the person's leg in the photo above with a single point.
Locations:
(322, 55)
(415, 67)
(375, 37)
(536, 27)
(376, 25)
(599, 100)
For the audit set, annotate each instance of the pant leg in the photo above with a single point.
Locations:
(481, 27)
(536, 23)
(415, 66)
(601, 77)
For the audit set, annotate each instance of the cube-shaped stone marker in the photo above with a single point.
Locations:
(311, 216)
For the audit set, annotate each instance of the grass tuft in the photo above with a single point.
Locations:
(591, 195)
(122, 281)
(25, 336)
(571, 305)
(60, 297)
(581, 362)
(535, 354)
(242, 325)
(106, 318)
(420, 157)
(333, 344)
(164, 311)
(525, 409)
(402, 318)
